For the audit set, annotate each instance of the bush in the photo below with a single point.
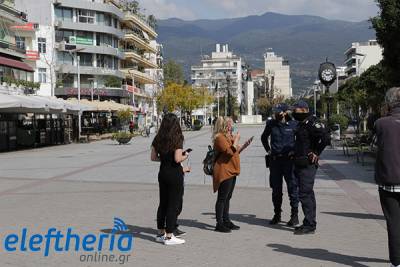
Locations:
(121, 135)
(197, 125)
(342, 120)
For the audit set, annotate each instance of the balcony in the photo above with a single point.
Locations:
(130, 17)
(11, 14)
(136, 91)
(89, 70)
(133, 55)
(11, 49)
(102, 7)
(79, 26)
(93, 49)
(139, 41)
(138, 76)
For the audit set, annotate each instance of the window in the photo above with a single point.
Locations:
(115, 23)
(107, 20)
(42, 45)
(86, 59)
(64, 14)
(42, 75)
(86, 16)
(20, 42)
(64, 58)
(63, 35)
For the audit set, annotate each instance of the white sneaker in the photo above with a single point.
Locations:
(391, 265)
(160, 238)
(173, 241)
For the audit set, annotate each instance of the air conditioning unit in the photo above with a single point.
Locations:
(58, 24)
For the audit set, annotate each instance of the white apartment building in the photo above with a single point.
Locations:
(277, 71)
(116, 50)
(223, 68)
(362, 55)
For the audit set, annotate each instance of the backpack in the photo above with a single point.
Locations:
(209, 161)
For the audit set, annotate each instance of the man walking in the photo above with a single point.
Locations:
(311, 140)
(281, 129)
(387, 171)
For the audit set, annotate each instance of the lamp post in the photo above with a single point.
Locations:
(316, 89)
(228, 85)
(92, 87)
(73, 51)
(327, 75)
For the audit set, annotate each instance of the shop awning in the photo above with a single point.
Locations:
(15, 64)
(37, 104)
(107, 106)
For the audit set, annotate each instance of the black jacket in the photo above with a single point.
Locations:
(311, 136)
(387, 168)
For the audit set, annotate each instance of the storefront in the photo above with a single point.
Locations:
(34, 121)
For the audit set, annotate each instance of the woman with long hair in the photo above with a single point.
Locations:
(226, 168)
(167, 147)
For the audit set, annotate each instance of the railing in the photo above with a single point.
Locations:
(11, 46)
(144, 21)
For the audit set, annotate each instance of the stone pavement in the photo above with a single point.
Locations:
(85, 186)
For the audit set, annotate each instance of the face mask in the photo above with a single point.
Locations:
(279, 117)
(234, 129)
(300, 116)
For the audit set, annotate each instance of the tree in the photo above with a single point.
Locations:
(130, 5)
(387, 27)
(151, 19)
(265, 104)
(173, 73)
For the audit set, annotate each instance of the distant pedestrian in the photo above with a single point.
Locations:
(167, 147)
(387, 171)
(131, 126)
(281, 129)
(311, 139)
(209, 120)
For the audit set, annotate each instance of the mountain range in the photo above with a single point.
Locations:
(304, 40)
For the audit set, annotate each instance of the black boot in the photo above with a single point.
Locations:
(222, 228)
(276, 219)
(294, 218)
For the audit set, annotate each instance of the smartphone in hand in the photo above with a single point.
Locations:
(187, 151)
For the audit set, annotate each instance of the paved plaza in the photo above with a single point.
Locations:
(85, 186)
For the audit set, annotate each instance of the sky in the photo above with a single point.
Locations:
(350, 10)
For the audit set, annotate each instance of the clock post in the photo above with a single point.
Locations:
(327, 75)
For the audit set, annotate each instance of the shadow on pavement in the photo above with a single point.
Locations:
(325, 255)
(363, 216)
(144, 233)
(195, 224)
(252, 219)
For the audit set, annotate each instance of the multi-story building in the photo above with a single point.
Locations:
(277, 72)
(361, 56)
(115, 48)
(13, 50)
(94, 27)
(140, 63)
(223, 68)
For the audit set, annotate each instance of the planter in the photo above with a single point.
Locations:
(124, 140)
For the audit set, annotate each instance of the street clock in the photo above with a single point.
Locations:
(327, 73)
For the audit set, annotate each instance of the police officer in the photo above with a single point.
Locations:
(281, 129)
(311, 139)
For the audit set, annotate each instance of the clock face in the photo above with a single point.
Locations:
(327, 75)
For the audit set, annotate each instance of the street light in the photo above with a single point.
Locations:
(316, 89)
(73, 51)
(92, 87)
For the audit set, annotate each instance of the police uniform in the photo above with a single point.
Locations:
(311, 137)
(281, 164)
